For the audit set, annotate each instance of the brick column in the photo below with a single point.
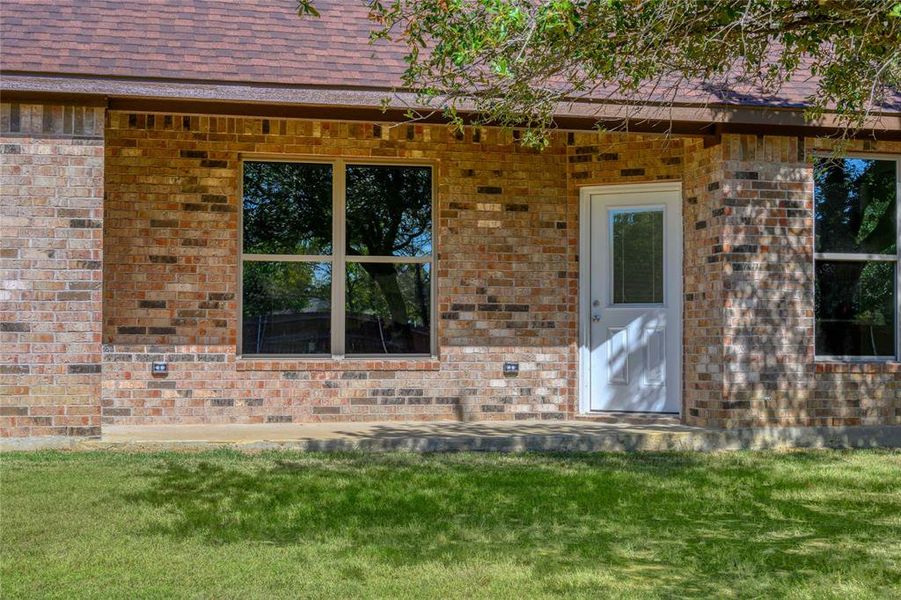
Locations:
(767, 260)
(703, 286)
(51, 247)
(749, 284)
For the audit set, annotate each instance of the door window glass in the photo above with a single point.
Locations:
(636, 238)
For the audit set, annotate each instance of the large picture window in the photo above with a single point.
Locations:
(337, 259)
(857, 257)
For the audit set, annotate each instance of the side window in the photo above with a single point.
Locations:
(856, 257)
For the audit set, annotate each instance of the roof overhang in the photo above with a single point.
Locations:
(355, 104)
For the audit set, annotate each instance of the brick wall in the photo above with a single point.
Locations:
(758, 215)
(507, 277)
(171, 279)
(507, 272)
(766, 257)
(51, 247)
(703, 291)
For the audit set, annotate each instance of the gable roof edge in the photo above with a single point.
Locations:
(142, 95)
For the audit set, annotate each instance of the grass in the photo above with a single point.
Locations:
(229, 525)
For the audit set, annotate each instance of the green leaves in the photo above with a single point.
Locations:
(306, 8)
(513, 62)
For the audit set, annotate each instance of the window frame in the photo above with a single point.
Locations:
(852, 257)
(339, 259)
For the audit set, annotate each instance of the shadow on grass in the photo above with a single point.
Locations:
(679, 523)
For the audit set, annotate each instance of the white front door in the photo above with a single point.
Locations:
(633, 303)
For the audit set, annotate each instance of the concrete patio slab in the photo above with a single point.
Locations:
(505, 436)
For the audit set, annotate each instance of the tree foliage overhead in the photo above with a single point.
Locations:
(512, 62)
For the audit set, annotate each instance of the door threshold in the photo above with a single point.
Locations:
(631, 412)
(631, 417)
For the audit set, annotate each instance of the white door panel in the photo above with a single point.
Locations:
(634, 302)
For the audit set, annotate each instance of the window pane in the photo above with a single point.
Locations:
(389, 211)
(855, 308)
(855, 206)
(388, 308)
(637, 240)
(287, 208)
(286, 308)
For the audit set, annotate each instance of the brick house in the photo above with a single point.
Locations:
(206, 218)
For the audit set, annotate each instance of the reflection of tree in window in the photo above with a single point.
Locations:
(286, 307)
(854, 308)
(287, 208)
(288, 213)
(373, 325)
(855, 206)
(389, 213)
(855, 201)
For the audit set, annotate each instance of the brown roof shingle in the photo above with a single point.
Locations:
(260, 42)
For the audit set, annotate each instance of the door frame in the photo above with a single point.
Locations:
(585, 194)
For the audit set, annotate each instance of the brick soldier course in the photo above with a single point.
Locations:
(120, 248)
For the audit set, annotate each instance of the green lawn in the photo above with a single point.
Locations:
(228, 525)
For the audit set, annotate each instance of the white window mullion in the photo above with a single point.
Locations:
(339, 268)
(313, 258)
(851, 257)
(404, 260)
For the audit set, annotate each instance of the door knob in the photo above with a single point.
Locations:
(595, 317)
